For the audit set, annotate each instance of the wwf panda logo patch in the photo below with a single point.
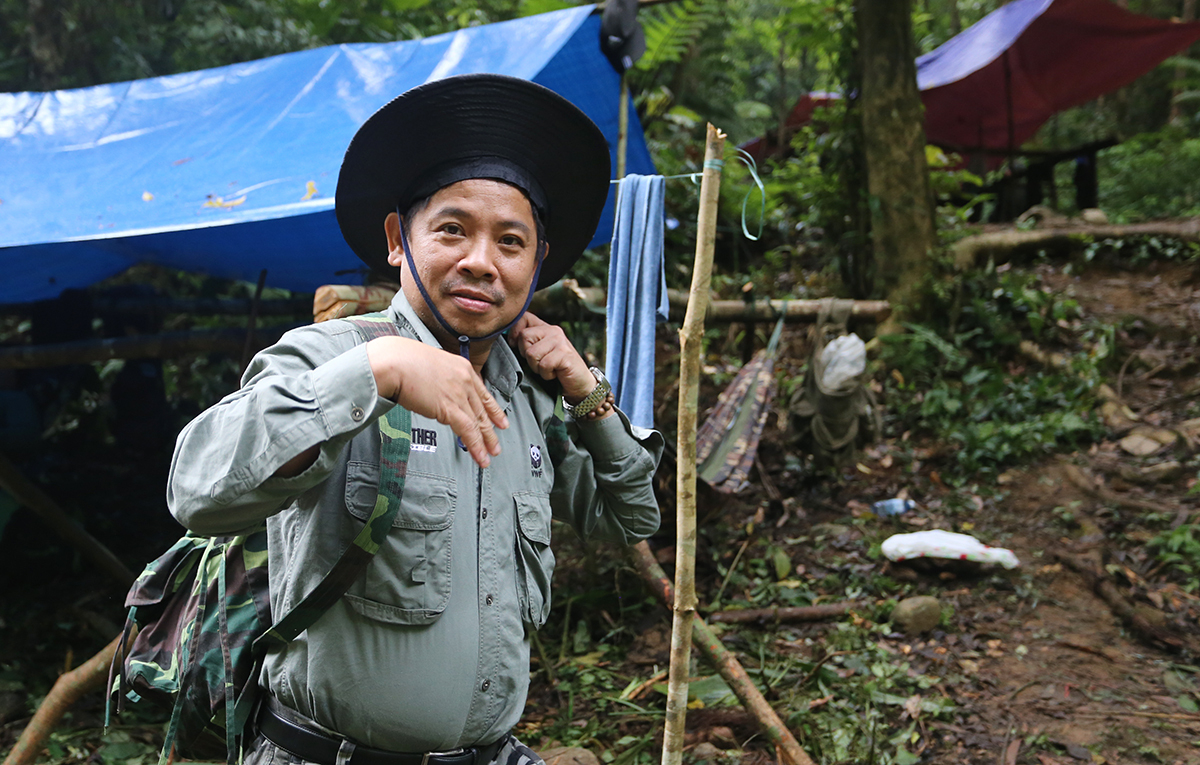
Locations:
(535, 456)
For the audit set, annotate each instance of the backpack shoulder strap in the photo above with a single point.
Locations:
(360, 551)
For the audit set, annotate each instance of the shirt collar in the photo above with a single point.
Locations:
(501, 369)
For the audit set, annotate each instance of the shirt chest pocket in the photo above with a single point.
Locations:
(408, 582)
(535, 560)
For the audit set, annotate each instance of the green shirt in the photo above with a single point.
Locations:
(429, 650)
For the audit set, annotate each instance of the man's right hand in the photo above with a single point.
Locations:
(440, 386)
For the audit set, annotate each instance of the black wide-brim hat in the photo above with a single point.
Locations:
(476, 126)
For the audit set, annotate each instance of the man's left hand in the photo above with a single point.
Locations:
(551, 354)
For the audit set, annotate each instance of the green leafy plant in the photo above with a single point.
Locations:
(1179, 549)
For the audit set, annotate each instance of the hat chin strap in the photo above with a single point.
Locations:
(464, 342)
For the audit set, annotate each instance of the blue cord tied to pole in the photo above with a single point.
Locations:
(719, 164)
(752, 166)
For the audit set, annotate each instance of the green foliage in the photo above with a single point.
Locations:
(964, 381)
(1134, 252)
(1151, 176)
(671, 30)
(1179, 550)
(857, 725)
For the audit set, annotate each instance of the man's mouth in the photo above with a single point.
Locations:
(472, 300)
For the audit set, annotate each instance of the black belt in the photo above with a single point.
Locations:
(313, 746)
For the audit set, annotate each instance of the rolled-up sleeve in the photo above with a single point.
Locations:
(604, 484)
(313, 387)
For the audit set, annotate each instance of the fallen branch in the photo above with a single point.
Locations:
(970, 251)
(782, 614)
(68, 689)
(1147, 622)
(164, 346)
(723, 661)
(27, 494)
(1103, 494)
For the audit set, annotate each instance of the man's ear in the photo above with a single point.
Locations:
(391, 226)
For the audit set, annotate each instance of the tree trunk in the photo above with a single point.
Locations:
(901, 200)
(1188, 14)
(955, 19)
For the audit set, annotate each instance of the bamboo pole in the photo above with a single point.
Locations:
(723, 661)
(623, 126)
(691, 336)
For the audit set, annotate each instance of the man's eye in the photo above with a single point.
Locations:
(512, 241)
(453, 229)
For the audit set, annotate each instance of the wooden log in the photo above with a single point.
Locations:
(29, 495)
(782, 614)
(726, 664)
(68, 689)
(970, 251)
(297, 307)
(164, 346)
(691, 337)
(1147, 622)
(567, 301)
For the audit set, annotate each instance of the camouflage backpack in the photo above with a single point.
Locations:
(203, 612)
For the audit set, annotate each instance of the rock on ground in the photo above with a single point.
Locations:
(916, 615)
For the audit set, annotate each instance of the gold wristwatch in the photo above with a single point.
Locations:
(591, 400)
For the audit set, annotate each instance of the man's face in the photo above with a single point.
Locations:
(474, 246)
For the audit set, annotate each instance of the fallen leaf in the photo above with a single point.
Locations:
(912, 705)
(1010, 754)
(1139, 445)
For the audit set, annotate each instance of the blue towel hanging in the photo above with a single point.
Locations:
(637, 295)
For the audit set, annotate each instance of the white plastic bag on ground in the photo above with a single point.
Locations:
(945, 544)
(844, 358)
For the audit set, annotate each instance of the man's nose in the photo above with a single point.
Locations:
(480, 260)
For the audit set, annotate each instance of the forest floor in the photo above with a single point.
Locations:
(1029, 666)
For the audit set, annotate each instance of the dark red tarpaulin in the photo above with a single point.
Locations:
(1040, 56)
(1028, 59)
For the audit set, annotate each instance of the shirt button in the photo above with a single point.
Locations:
(484, 513)
(357, 414)
(487, 684)
(488, 600)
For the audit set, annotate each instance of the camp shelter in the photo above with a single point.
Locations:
(232, 170)
(993, 85)
(996, 83)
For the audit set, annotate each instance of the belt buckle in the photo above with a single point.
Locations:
(425, 757)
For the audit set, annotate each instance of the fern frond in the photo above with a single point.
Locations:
(673, 28)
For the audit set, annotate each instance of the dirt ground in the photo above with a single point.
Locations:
(1041, 667)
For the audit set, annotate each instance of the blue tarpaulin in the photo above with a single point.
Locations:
(232, 170)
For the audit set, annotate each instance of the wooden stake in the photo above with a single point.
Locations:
(723, 661)
(691, 336)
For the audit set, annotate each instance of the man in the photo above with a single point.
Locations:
(480, 189)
